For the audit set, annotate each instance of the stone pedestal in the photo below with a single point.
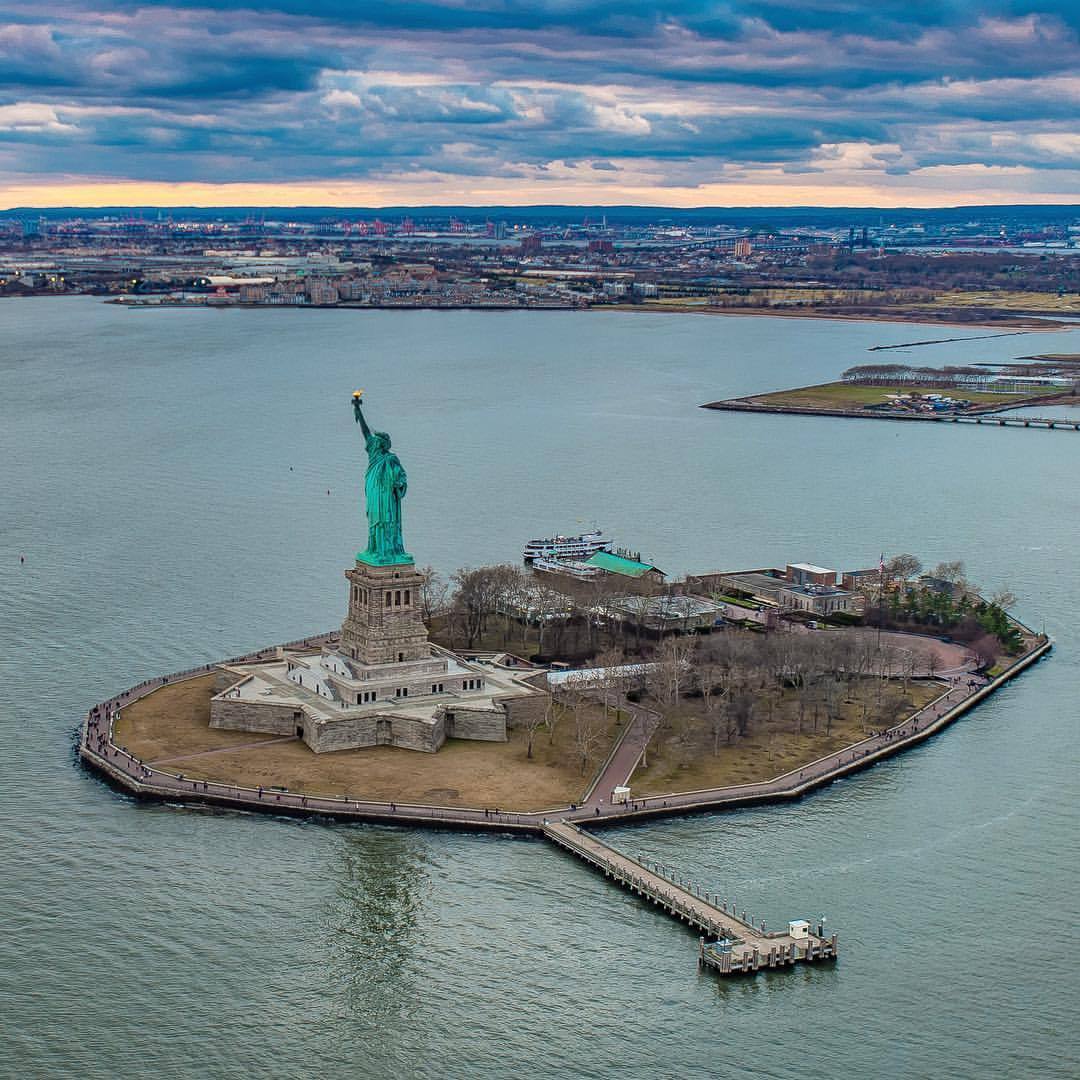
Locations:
(384, 625)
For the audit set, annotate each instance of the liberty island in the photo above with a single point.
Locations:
(379, 682)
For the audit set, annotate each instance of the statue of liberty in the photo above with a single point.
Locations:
(385, 485)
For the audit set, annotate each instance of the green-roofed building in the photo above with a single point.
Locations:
(611, 563)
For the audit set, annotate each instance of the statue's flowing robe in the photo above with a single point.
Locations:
(384, 487)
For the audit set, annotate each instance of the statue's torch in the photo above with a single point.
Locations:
(358, 396)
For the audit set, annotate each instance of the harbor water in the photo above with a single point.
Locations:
(185, 485)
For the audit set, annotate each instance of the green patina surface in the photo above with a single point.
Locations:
(616, 564)
(404, 559)
(385, 484)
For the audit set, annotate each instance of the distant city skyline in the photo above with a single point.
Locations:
(689, 104)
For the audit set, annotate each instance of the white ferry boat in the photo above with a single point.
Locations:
(566, 547)
(566, 568)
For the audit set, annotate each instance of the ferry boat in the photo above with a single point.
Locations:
(566, 547)
(566, 568)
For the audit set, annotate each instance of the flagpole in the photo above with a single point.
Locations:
(881, 597)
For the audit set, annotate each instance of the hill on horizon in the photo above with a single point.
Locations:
(785, 216)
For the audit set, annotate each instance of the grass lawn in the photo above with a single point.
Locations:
(681, 757)
(841, 395)
(172, 723)
(736, 602)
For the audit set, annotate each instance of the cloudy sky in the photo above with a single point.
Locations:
(683, 103)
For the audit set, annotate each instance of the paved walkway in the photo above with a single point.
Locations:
(99, 750)
(625, 757)
(798, 781)
(225, 750)
(739, 946)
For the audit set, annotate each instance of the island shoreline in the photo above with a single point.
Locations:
(124, 772)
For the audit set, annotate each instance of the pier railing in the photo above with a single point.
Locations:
(740, 946)
(635, 876)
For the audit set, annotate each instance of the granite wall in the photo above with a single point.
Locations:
(223, 679)
(233, 714)
(375, 730)
(342, 734)
(383, 624)
(520, 710)
(486, 725)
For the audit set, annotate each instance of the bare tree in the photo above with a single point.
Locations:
(433, 593)
(561, 694)
(551, 610)
(454, 621)
(901, 568)
(518, 600)
(933, 663)
(609, 679)
(472, 599)
(1003, 599)
(987, 648)
(833, 690)
(713, 677)
(742, 711)
(588, 727)
(533, 721)
(795, 667)
(507, 584)
(836, 652)
(949, 571)
(673, 666)
(477, 596)
(908, 663)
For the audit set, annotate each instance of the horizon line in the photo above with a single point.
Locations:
(703, 208)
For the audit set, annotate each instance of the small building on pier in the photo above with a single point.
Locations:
(622, 566)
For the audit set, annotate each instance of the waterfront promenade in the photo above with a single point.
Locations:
(961, 689)
(736, 945)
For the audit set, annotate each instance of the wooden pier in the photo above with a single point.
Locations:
(731, 944)
(1001, 420)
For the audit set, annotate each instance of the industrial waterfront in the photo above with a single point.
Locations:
(322, 947)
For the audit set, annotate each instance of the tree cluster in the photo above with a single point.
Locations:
(944, 600)
(743, 680)
(508, 607)
(948, 377)
(960, 270)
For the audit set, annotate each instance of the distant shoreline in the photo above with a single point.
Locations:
(1024, 323)
(1027, 323)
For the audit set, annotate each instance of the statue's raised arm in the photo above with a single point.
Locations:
(358, 413)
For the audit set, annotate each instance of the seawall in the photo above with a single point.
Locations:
(99, 752)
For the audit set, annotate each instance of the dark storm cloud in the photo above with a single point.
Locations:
(322, 89)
